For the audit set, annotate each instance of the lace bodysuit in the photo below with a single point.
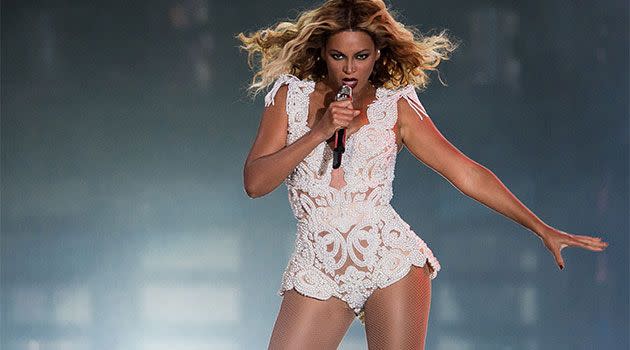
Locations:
(349, 240)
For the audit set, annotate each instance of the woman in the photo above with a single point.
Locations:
(354, 256)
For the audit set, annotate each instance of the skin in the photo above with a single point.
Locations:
(353, 54)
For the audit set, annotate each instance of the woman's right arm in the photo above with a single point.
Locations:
(270, 160)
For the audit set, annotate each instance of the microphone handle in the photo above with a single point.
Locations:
(344, 93)
(339, 148)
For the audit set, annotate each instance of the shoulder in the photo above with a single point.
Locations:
(282, 85)
(405, 98)
(407, 101)
(396, 93)
(412, 118)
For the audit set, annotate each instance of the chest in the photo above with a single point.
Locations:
(373, 116)
(371, 142)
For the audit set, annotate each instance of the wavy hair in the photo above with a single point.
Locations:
(295, 47)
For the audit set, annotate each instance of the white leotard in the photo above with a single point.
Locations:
(349, 241)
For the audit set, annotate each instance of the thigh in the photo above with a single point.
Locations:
(396, 317)
(308, 323)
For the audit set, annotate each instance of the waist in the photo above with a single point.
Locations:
(344, 217)
(307, 210)
(322, 200)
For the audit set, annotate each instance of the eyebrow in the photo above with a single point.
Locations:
(354, 53)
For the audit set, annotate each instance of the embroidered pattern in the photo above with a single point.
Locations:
(349, 240)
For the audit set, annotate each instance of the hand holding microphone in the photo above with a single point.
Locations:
(345, 93)
(338, 116)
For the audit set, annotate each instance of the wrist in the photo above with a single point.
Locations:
(316, 136)
(541, 230)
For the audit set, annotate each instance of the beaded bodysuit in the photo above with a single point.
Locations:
(349, 240)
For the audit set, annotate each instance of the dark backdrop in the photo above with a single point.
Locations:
(125, 126)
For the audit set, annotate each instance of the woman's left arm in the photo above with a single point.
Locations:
(428, 145)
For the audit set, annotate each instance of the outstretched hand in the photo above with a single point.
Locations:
(555, 240)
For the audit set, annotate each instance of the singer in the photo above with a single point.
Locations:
(354, 255)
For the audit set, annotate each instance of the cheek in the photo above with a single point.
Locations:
(333, 67)
(367, 66)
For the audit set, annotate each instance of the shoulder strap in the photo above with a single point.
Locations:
(409, 94)
(283, 79)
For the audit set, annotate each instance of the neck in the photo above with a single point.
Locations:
(363, 96)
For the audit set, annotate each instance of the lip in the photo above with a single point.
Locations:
(351, 82)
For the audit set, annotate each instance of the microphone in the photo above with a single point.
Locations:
(340, 135)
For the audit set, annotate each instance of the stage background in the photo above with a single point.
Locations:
(125, 224)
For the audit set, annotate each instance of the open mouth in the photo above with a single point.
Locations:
(351, 82)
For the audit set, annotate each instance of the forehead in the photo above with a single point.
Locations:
(350, 41)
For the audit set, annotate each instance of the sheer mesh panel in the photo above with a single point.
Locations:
(397, 316)
(307, 323)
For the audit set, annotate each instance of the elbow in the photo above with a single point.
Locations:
(252, 192)
(257, 184)
(253, 188)
(249, 184)
(252, 195)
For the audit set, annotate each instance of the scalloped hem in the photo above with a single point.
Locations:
(434, 267)
(282, 290)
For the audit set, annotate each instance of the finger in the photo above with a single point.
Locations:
(594, 243)
(588, 244)
(343, 104)
(590, 240)
(346, 111)
(596, 247)
(343, 117)
(558, 256)
(347, 114)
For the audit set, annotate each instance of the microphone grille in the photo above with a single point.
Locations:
(344, 93)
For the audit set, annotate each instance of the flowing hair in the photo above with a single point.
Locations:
(295, 47)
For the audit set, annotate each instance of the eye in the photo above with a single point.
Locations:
(362, 56)
(336, 56)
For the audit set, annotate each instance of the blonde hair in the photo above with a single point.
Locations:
(294, 47)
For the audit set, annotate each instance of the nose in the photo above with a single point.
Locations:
(349, 67)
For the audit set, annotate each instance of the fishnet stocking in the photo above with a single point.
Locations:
(396, 317)
(308, 323)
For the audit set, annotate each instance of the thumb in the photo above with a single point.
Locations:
(559, 259)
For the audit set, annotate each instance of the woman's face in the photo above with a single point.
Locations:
(350, 58)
